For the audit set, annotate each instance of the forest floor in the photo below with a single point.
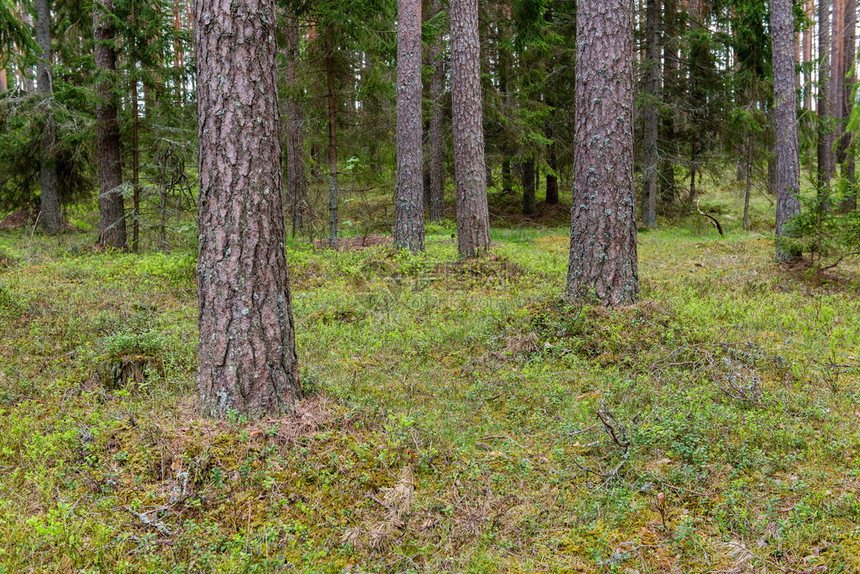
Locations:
(459, 416)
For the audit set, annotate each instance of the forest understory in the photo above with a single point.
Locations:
(458, 416)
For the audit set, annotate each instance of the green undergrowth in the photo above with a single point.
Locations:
(459, 416)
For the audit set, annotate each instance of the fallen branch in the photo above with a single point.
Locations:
(712, 218)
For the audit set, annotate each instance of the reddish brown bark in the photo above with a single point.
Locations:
(247, 351)
(112, 231)
(470, 174)
(408, 199)
(603, 262)
(785, 123)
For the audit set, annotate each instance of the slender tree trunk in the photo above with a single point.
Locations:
(295, 131)
(670, 119)
(552, 177)
(112, 231)
(651, 114)
(437, 124)
(603, 261)
(849, 202)
(825, 127)
(247, 353)
(4, 83)
(135, 168)
(529, 194)
(785, 123)
(332, 140)
(807, 57)
(837, 75)
(49, 215)
(470, 175)
(408, 201)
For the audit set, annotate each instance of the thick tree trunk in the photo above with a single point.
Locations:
(332, 140)
(111, 208)
(247, 351)
(49, 214)
(825, 122)
(295, 131)
(408, 200)
(437, 124)
(470, 175)
(529, 194)
(603, 261)
(785, 123)
(651, 115)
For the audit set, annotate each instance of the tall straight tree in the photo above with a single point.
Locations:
(247, 356)
(825, 128)
(408, 200)
(470, 173)
(294, 120)
(849, 202)
(785, 122)
(49, 213)
(651, 114)
(437, 122)
(111, 208)
(603, 261)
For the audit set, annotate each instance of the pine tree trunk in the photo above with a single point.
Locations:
(437, 124)
(408, 200)
(849, 202)
(247, 351)
(470, 175)
(552, 178)
(295, 133)
(332, 140)
(603, 262)
(825, 127)
(785, 123)
(135, 168)
(651, 115)
(670, 122)
(112, 231)
(50, 216)
(529, 194)
(837, 75)
(4, 82)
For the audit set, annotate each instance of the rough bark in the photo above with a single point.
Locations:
(4, 83)
(247, 351)
(651, 115)
(470, 175)
(408, 200)
(603, 261)
(437, 124)
(529, 194)
(332, 139)
(785, 123)
(112, 231)
(295, 134)
(825, 128)
(50, 216)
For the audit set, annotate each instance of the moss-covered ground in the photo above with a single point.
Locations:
(460, 416)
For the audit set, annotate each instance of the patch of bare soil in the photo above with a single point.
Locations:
(25, 218)
(353, 243)
(16, 220)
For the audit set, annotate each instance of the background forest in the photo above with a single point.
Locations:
(459, 414)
